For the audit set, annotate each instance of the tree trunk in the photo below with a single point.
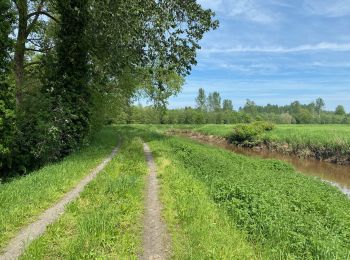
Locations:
(20, 48)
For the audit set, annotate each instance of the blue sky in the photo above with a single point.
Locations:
(274, 51)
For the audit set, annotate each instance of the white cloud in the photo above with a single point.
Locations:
(250, 10)
(330, 65)
(323, 46)
(328, 8)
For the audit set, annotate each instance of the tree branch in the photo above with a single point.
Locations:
(38, 50)
(36, 17)
(37, 13)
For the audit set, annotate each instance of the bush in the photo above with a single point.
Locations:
(249, 134)
(265, 126)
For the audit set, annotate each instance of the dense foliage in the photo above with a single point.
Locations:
(77, 61)
(7, 105)
(70, 95)
(249, 134)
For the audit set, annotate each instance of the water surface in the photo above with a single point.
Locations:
(337, 175)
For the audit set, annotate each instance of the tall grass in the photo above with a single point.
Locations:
(23, 199)
(331, 137)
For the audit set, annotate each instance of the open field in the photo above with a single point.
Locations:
(324, 142)
(327, 135)
(334, 137)
(216, 204)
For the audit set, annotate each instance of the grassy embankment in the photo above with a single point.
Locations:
(198, 228)
(106, 221)
(325, 142)
(23, 199)
(216, 204)
(219, 204)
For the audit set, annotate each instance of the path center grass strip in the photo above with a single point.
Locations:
(22, 200)
(289, 215)
(106, 221)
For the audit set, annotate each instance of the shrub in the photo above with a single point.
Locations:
(265, 126)
(249, 134)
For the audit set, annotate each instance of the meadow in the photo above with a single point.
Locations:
(325, 142)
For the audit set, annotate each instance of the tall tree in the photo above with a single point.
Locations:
(70, 93)
(210, 102)
(227, 105)
(320, 104)
(83, 51)
(29, 36)
(201, 100)
(161, 36)
(7, 116)
(214, 102)
(168, 85)
(250, 107)
(340, 110)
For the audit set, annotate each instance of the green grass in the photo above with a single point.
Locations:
(106, 221)
(199, 229)
(327, 139)
(333, 137)
(23, 199)
(216, 204)
(210, 129)
(283, 213)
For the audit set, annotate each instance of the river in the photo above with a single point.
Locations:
(336, 175)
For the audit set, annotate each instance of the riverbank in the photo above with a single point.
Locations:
(335, 174)
(329, 143)
(282, 213)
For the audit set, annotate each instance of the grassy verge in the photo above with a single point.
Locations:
(21, 200)
(198, 228)
(105, 222)
(287, 214)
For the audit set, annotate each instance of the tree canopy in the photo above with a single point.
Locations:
(75, 59)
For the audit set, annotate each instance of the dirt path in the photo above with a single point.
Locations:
(19, 243)
(156, 242)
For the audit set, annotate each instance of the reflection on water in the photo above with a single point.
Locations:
(337, 175)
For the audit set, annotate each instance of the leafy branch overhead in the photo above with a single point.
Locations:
(74, 61)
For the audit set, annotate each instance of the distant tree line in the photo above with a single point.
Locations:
(211, 109)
